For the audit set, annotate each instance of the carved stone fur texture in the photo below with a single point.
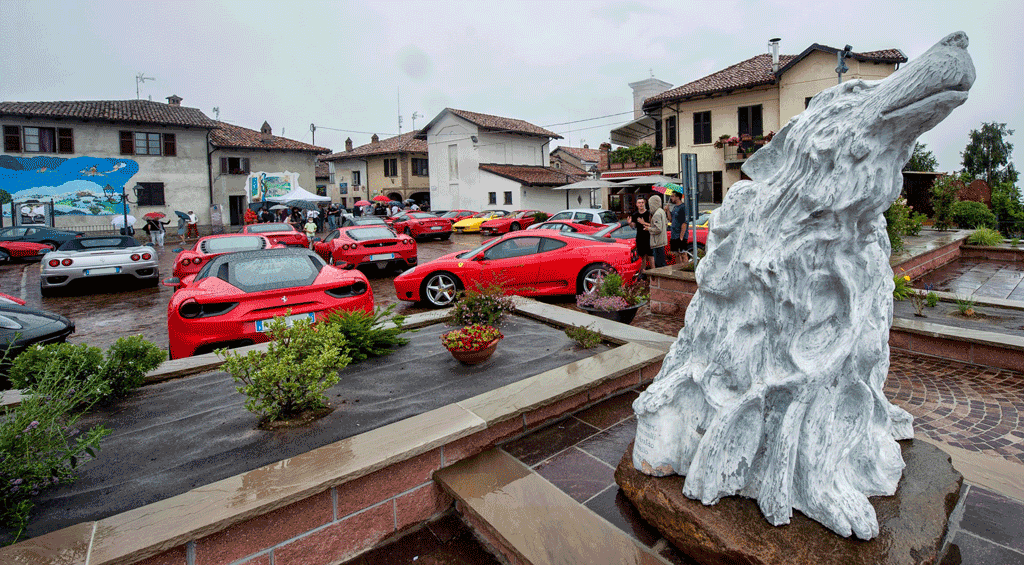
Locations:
(773, 389)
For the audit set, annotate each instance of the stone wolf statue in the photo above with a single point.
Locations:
(773, 389)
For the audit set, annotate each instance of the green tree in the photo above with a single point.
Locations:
(944, 192)
(5, 196)
(921, 160)
(987, 156)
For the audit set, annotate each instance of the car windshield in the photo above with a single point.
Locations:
(421, 215)
(231, 244)
(92, 243)
(482, 215)
(266, 228)
(258, 271)
(370, 232)
(525, 213)
(369, 221)
(474, 252)
(562, 216)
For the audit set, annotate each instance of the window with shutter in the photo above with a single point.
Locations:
(170, 145)
(65, 140)
(245, 165)
(223, 165)
(12, 139)
(127, 143)
(670, 131)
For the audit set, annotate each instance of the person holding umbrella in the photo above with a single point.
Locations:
(193, 227)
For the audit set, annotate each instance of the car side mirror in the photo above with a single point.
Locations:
(315, 240)
(172, 282)
(479, 257)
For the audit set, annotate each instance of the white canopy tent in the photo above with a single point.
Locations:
(587, 184)
(299, 193)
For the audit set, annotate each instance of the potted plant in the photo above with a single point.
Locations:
(472, 344)
(611, 298)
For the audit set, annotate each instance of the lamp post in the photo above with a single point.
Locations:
(109, 192)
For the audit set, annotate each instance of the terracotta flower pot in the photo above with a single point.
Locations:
(477, 355)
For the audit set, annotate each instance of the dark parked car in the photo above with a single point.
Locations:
(22, 326)
(37, 234)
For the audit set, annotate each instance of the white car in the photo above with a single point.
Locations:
(592, 215)
(94, 258)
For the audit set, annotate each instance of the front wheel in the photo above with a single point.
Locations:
(687, 256)
(514, 227)
(440, 289)
(591, 276)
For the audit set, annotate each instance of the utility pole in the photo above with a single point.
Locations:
(399, 104)
(841, 67)
(139, 79)
(312, 128)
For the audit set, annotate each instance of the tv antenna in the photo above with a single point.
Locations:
(216, 113)
(414, 116)
(139, 79)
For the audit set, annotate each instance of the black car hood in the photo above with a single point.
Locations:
(21, 326)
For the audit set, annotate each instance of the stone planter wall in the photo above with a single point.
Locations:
(671, 290)
(1000, 253)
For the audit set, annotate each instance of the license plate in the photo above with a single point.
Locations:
(261, 325)
(435, 227)
(102, 271)
(382, 256)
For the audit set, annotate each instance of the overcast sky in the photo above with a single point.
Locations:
(352, 67)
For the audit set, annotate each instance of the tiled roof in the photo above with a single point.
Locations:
(132, 111)
(566, 166)
(229, 135)
(757, 71)
(405, 143)
(509, 125)
(323, 170)
(532, 175)
(582, 153)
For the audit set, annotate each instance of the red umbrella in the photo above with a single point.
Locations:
(362, 202)
(381, 198)
(153, 216)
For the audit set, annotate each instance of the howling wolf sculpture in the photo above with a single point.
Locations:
(773, 389)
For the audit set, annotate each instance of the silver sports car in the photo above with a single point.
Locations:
(92, 258)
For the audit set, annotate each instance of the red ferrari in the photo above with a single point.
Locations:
(282, 233)
(520, 219)
(527, 263)
(191, 260)
(363, 246)
(234, 296)
(422, 225)
(568, 226)
(22, 250)
(456, 215)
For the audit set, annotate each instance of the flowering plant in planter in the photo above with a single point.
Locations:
(471, 338)
(612, 293)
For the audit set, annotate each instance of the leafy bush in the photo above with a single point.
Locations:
(985, 236)
(128, 361)
(301, 362)
(902, 288)
(584, 336)
(1008, 208)
(611, 293)
(539, 217)
(944, 191)
(487, 305)
(39, 444)
(897, 218)
(932, 299)
(970, 215)
(369, 335)
(965, 306)
(915, 223)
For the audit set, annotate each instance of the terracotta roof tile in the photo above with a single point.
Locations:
(230, 135)
(323, 170)
(499, 124)
(567, 166)
(532, 175)
(133, 111)
(405, 143)
(583, 153)
(757, 71)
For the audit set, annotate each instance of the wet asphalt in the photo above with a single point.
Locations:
(111, 308)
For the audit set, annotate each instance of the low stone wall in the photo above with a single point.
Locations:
(1000, 253)
(671, 290)
(928, 261)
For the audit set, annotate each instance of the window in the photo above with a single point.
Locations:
(750, 120)
(807, 101)
(234, 166)
(657, 136)
(355, 179)
(709, 186)
(670, 131)
(391, 167)
(701, 127)
(148, 143)
(152, 194)
(419, 167)
(492, 197)
(453, 162)
(508, 197)
(38, 140)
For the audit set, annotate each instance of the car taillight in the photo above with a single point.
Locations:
(66, 262)
(355, 289)
(192, 309)
(54, 262)
(197, 260)
(146, 256)
(136, 256)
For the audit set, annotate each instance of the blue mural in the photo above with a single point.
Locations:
(75, 185)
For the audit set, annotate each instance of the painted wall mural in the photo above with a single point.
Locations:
(75, 185)
(263, 185)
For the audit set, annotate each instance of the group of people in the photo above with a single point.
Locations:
(381, 209)
(659, 226)
(188, 226)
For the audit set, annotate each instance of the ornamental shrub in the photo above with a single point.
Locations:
(897, 218)
(985, 236)
(539, 217)
(969, 215)
(301, 362)
(74, 363)
(584, 336)
(901, 288)
(470, 338)
(487, 304)
(944, 191)
(369, 335)
(127, 363)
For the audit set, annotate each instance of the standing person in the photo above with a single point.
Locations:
(680, 226)
(414, 206)
(658, 231)
(284, 215)
(148, 228)
(181, 229)
(640, 219)
(395, 209)
(332, 216)
(160, 231)
(193, 225)
(310, 229)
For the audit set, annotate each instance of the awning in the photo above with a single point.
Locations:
(632, 132)
(649, 179)
(586, 184)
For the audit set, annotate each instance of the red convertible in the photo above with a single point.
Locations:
(520, 219)
(360, 246)
(234, 296)
(191, 260)
(22, 250)
(421, 225)
(282, 233)
(527, 263)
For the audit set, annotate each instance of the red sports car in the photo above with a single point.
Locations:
(232, 299)
(520, 219)
(456, 215)
(191, 260)
(421, 225)
(528, 263)
(360, 246)
(568, 226)
(22, 250)
(282, 233)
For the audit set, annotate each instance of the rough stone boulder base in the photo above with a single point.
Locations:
(912, 522)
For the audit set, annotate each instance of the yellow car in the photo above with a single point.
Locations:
(472, 223)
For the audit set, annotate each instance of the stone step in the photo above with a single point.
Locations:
(530, 520)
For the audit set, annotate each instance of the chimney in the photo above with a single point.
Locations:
(374, 139)
(348, 144)
(774, 44)
(174, 100)
(605, 148)
(266, 133)
(585, 146)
